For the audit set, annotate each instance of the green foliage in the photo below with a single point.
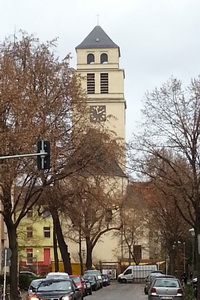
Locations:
(25, 280)
(188, 293)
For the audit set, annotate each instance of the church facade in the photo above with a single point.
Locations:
(103, 81)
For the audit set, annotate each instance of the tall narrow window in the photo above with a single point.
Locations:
(104, 58)
(104, 83)
(108, 215)
(90, 58)
(137, 250)
(90, 83)
(29, 256)
(29, 232)
(46, 232)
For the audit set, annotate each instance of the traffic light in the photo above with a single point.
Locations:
(43, 160)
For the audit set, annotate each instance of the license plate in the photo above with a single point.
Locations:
(166, 298)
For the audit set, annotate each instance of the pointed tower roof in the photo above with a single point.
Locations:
(97, 38)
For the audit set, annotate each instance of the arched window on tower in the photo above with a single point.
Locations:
(104, 58)
(90, 58)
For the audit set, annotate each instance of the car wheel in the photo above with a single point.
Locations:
(145, 291)
(90, 293)
(123, 280)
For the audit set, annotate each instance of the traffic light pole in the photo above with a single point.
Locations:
(4, 276)
(24, 155)
(43, 155)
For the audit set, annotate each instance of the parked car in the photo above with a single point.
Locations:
(148, 281)
(106, 279)
(88, 290)
(32, 287)
(97, 273)
(157, 271)
(164, 287)
(57, 275)
(93, 281)
(55, 288)
(79, 282)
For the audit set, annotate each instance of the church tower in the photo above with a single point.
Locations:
(98, 63)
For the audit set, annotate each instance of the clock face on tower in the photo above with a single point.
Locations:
(98, 113)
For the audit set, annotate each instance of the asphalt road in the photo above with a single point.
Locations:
(119, 291)
(116, 291)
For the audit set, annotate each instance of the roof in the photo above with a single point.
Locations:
(97, 38)
(99, 165)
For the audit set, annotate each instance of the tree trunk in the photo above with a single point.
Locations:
(172, 256)
(196, 254)
(80, 251)
(89, 249)
(61, 243)
(12, 237)
(55, 250)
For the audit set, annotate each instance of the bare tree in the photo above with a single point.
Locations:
(172, 123)
(93, 195)
(133, 217)
(165, 219)
(38, 97)
(95, 152)
(93, 211)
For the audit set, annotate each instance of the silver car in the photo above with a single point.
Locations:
(148, 281)
(165, 288)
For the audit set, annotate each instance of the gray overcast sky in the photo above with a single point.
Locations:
(157, 38)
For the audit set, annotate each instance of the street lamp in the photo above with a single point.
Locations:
(184, 256)
(191, 230)
(37, 264)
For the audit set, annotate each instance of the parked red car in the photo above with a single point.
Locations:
(79, 282)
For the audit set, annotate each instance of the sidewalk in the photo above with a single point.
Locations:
(24, 294)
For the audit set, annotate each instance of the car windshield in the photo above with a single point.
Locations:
(166, 283)
(88, 277)
(35, 283)
(52, 285)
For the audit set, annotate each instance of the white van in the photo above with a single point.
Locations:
(136, 272)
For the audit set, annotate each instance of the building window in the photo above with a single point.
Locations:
(29, 231)
(30, 213)
(46, 232)
(29, 256)
(104, 83)
(108, 215)
(90, 83)
(137, 250)
(90, 58)
(104, 58)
